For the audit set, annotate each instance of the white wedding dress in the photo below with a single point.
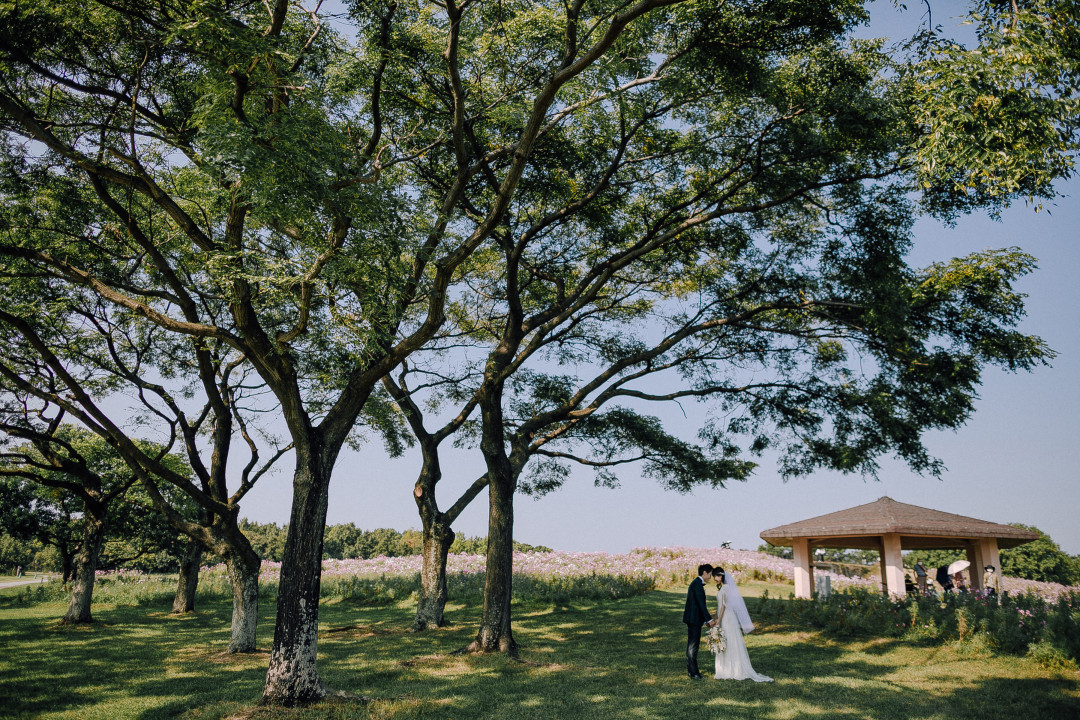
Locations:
(734, 662)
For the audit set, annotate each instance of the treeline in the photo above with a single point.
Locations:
(346, 541)
(341, 542)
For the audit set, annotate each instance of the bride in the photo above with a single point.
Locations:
(733, 662)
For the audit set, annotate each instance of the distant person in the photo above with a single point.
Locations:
(909, 585)
(733, 662)
(695, 615)
(943, 578)
(920, 576)
(990, 581)
(958, 582)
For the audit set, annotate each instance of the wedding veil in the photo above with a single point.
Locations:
(734, 600)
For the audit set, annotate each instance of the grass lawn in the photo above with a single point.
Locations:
(622, 659)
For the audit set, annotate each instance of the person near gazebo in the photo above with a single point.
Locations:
(943, 579)
(920, 576)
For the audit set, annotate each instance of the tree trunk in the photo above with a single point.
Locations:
(495, 633)
(67, 565)
(438, 537)
(184, 602)
(243, 565)
(292, 678)
(85, 570)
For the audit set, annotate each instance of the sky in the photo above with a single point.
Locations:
(1016, 460)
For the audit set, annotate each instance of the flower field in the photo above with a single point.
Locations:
(659, 566)
(552, 576)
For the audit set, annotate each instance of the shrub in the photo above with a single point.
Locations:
(1010, 624)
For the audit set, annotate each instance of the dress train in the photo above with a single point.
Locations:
(734, 662)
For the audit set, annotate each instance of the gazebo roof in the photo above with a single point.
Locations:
(918, 527)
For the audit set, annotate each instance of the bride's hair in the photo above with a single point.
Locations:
(718, 573)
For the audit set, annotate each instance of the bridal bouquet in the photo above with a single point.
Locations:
(715, 640)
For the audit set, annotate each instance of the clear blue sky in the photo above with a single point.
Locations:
(1017, 460)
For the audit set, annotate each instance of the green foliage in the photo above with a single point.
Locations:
(999, 120)
(832, 555)
(52, 483)
(642, 202)
(1040, 559)
(1004, 624)
(267, 539)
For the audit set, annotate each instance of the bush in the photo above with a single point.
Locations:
(1051, 656)
(1011, 624)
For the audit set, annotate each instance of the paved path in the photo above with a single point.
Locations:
(30, 581)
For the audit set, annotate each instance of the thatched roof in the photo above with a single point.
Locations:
(918, 527)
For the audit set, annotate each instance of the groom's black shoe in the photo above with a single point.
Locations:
(699, 676)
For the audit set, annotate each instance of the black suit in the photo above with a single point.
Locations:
(695, 615)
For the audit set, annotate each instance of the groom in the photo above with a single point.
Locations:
(695, 615)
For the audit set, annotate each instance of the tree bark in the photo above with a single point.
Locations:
(292, 678)
(438, 537)
(67, 565)
(188, 581)
(495, 634)
(85, 570)
(243, 566)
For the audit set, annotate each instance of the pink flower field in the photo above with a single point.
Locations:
(664, 566)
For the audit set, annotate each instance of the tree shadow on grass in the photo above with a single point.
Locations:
(619, 659)
(126, 654)
(625, 660)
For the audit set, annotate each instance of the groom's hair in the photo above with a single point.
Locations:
(704, 568)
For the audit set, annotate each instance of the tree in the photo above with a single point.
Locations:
(1041, 560)
(83, 485)
(246, 179)
(758, 282)
(32, 514)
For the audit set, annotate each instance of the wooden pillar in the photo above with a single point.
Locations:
(892, 566)
(804, 571)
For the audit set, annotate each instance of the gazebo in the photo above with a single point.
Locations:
(889, 526)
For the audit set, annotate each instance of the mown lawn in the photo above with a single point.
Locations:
(622, 659)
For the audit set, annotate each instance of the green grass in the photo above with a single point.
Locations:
(597, 660)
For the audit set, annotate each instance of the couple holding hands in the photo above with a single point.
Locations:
(725, 630)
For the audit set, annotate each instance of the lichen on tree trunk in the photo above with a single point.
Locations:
(293, 678)
(244, 576)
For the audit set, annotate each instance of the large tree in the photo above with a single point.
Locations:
(311, 199)
(751, 252)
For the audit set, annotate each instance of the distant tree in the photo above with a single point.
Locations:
(78, 489)
(1041, 560)
(267, 539)
(780, 551)
(31, 514)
